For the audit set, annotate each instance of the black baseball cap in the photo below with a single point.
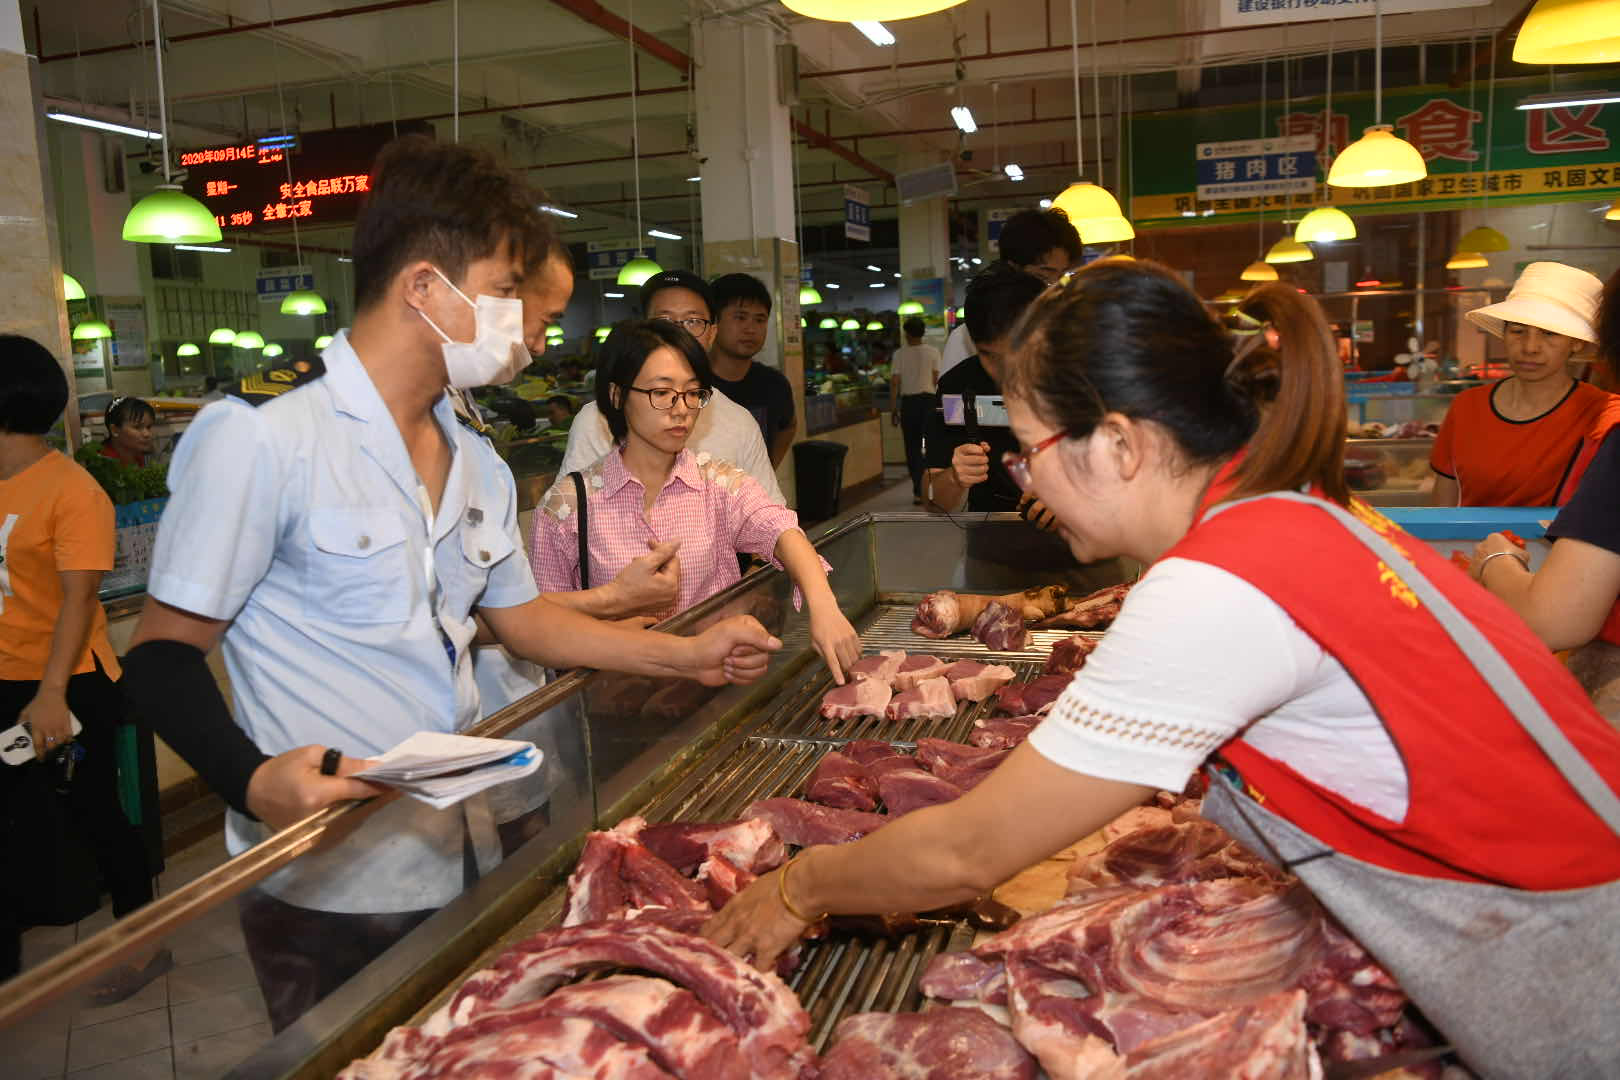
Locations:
(676, 279)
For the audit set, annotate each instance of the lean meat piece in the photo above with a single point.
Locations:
(1069, 655)
(722, 879)
(858, 697)
(1002, 732)
(905, 790)
(1034, 697)
(869, 751)
(758, 1008)
(880, 667)
(616, 872)
(916, 668)
(509, 1043)
(1089, 612)
(1191, 851)
(961, 976)
(1262, 1041)
(932, 699)
(1001, 629)
(804, 824)
(973, 681)
(962, 765)
(842, 782)
(941, 1044)
(751, 845)
(1350, 991)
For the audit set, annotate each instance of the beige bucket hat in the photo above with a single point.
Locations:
(1549, 295)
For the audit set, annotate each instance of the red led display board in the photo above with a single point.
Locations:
(319, 181)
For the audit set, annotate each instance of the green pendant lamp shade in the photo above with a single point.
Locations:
(808, 295)
(828, 323)
(273, 350)
(170, 216)
(850, 324)
(222, 336)
(91, 330)
(249, 339)
(71, 289)
(602, 332)
(637, 271)
(303, 302)
(874, 325)
(1323, 225)
(1482, 238)
(961, 313)
(187, 349)
(323, 341)
(910, 307)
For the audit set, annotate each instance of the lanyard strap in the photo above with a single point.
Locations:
(584, 531)
(1497, 672)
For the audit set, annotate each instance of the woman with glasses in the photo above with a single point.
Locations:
(1357, 709)
(651, 493)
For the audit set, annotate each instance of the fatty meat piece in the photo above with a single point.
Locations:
(973, 681)
(1034, 697)
(1189, 851)
(905, 790)
(751, 844)
(1069, 655)
(1000, 628)
(941, 1044)
(805, 824)
(917, 667)
(880, 667)
(932, 699)
(1002, 732)
(1265, 1040)
(521, 1044)
(938, 615)
(858, 697)
(842, 782)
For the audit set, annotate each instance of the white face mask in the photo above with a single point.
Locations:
(497, 353)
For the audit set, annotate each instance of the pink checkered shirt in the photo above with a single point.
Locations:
(712, 507)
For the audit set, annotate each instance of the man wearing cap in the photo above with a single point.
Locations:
(1516, 443)
(725, 429)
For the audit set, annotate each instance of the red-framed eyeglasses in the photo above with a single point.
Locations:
(1017, 464)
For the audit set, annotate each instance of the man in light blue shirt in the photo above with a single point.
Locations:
(347, 540)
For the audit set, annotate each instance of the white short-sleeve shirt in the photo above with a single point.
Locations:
(958, 347)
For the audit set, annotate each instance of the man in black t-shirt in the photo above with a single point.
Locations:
(742, 312)
(958, 463)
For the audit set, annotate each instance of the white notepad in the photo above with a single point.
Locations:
(441, 769)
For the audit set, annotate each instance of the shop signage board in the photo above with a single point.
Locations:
(857, 214)
(1539, 155)
(127, 346)
(1268, 12)
(1279, 166)
(276, 282)
(605, 258)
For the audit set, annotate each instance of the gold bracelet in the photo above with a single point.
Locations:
(782, 894)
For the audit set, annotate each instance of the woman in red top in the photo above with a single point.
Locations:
(1385, 768)
(1516, 443)
(129, 430)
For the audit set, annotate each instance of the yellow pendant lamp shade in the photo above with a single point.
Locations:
(249, 339)
(323, 341)
(303, 302)
(1377, 159)
(636, 271)
(170, 216)
(222, 336)
(1613, 213)
(91, 330)
(71, 289)
(1289, 250)
(1110, 231)
(1467, 260)
(187, 349)
(866, 10)
(1259, 271)
(1570, 32)
(808, 295)
(1086, 204)
(1482, 238)
(1325, 224)
(910, 307)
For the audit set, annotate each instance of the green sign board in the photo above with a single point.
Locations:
(1536, 155)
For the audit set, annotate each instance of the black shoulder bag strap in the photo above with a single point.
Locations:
(584, 530)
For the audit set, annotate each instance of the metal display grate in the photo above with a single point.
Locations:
(891, 629)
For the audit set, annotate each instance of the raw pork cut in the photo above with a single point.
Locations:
(932, 753)
(858, 697)
(511, 1044)
(941, 1044)
(1069, 655)
(880, 667)
(917, 667)
(750, 845)
(932, 699)
(840, 781)
(941, 614)
(1190, 851)
(804, 824)
(1091, 612)
(1002, 732)
(1033, 697)
(961, 976)
(616, 871)
(867, 752)
(973, 681)
(1000, 628)
(905, 790)
(1265, 1040)
(722, 879)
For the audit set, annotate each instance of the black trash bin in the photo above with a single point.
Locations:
(818, 468)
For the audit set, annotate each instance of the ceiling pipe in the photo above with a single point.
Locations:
(823, 141)
(599, 16)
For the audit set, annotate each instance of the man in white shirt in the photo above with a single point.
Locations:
(914, 371)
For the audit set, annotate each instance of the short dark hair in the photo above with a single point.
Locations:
(128, 410)
(996, 298)
(33, 389)
(626, 350)
(731, 289)
(915, 327)
(449, 204)
(561, 399)
(1029, 234)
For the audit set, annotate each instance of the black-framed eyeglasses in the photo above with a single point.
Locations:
(663, 398)
(1017, 465)
(692, 324)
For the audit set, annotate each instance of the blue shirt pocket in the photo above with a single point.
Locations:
(359, 568)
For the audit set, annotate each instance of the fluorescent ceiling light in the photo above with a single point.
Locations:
(876, 285)
(1568, 99)
(897, 276)
(834, 285)
(662, 235)
(874, 269)
(964, 119)
(614, 295)
(557, 210)
(693, 179)
(1046, 204)
(977, 262)
(202, 247)
(103, 125)
(345, 258)
(1014, 171)
(875, 32)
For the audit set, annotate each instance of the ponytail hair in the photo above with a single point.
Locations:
(1129, 337)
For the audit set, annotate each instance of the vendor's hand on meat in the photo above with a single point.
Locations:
(1037, 513)
(970, 464)
(835, 639)
(289, 787)
(737, 650)
(651, 583)
(1497, 544)
(755, 925)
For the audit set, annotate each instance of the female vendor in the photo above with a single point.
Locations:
(1381, 767)
(1516, 443)
(129, 430)
(651, 493)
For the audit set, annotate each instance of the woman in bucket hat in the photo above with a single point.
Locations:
(1516, 443)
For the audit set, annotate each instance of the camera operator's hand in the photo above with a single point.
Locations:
(970, 464)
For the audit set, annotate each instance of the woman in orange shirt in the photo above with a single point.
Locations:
(56, 664)
(1516, 443)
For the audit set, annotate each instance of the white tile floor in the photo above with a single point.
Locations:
(192, 1024)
